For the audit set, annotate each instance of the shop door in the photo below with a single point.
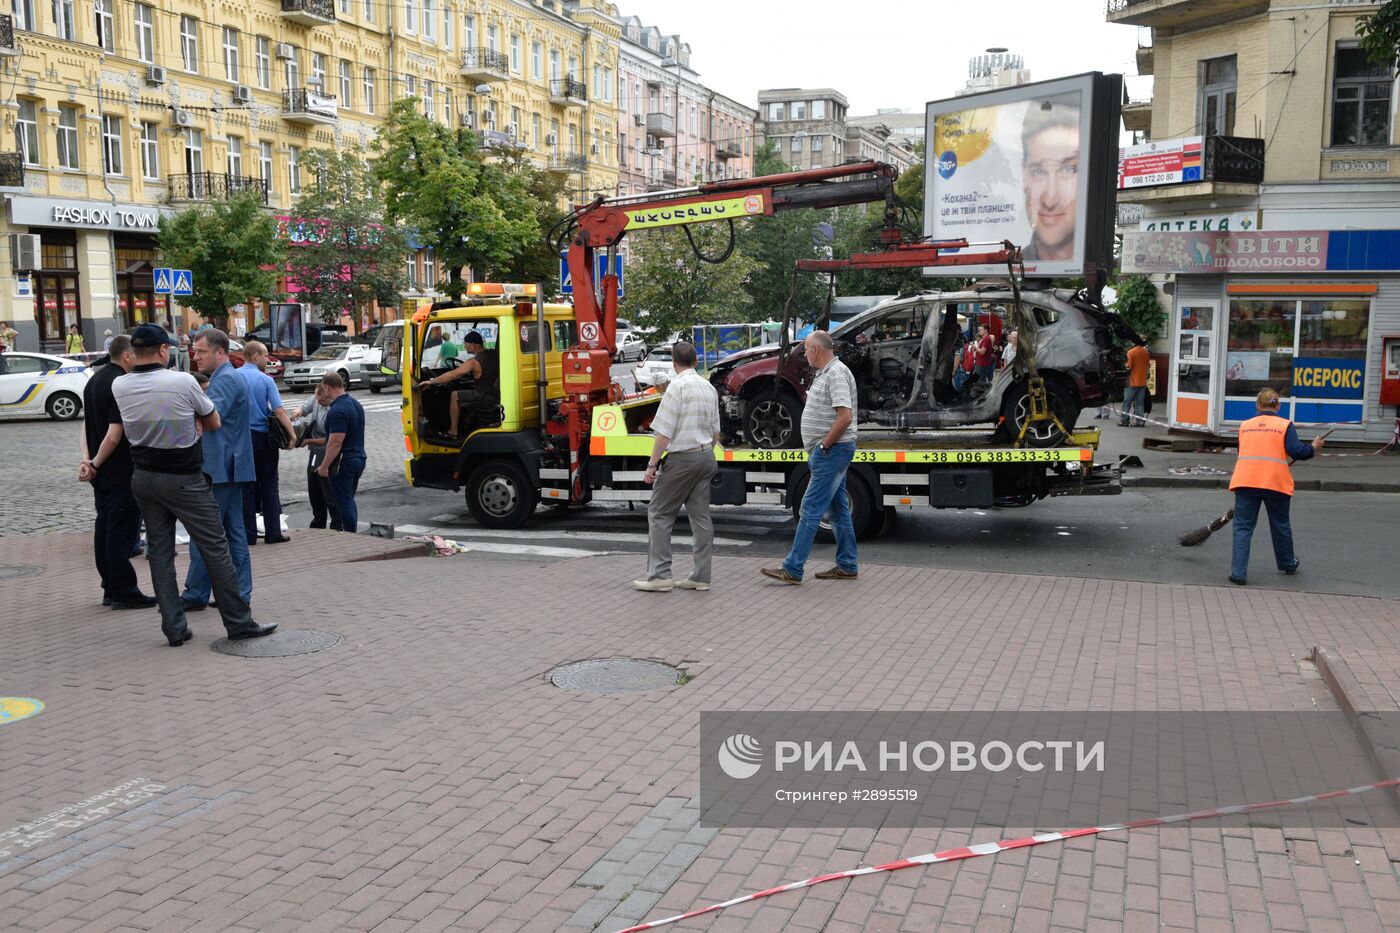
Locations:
(1193, 373)
(57, 294)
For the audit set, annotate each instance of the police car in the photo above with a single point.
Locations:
(31, 383)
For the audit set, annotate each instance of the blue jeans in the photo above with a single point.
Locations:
(1134, 401)
(342, 499)
(825, 490)
(229, 496)
(985, 373)
(1247, 503)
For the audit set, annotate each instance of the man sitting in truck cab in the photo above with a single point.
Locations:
(482, 399)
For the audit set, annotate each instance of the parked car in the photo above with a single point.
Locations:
(904, 353)
(344, 358)
(656, 369)
(31, 383)
(630, 345)
(273, 367)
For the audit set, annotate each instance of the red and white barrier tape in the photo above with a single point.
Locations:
(993, 848)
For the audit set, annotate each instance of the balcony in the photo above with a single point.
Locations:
(566, 92)
(661, 125)
(486, 65)
(1231, 166)
(562, 163)
(728, 149)
(309, 12)
(665, 181)
(1181, 14)
(11, 170)
(214, 186)
(303, 105)
(1145, 62)
(7, 35)
(494, 139)
(1137, 116)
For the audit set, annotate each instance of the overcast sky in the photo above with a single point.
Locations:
(881, 53)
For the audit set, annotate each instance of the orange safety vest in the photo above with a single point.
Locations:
(1263, 460)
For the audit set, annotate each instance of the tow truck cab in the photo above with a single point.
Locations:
(500, 462)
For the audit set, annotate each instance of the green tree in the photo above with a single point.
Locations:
(474, 212)
(231, 249)
(774, 244)
(1380, 34)
(1138, 306)
(348, 255)
(674, 288)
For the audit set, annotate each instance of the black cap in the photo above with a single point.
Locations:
(474, 337)
(146, 336)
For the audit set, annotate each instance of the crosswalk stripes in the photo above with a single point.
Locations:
(388, 404)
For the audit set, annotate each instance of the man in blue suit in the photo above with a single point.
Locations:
(228, 461)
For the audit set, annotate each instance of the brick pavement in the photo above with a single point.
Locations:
(424, 775)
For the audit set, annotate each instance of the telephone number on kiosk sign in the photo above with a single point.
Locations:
(924, 456)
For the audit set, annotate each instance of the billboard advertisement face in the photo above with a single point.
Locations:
(1025, 164)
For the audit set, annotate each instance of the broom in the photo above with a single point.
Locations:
(1199, 536)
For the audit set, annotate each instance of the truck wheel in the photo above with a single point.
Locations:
(500, 494)
(1017, 409)
(774, 423)
(867, 520)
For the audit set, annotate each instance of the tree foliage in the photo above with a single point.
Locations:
(439, 183)
(347, 255)
(1380, 34)
(675, 289)
(1138, 306)
(231, 249)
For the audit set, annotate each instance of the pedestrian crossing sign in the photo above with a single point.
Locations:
(600, 265)
(162, 277)
(182, 282)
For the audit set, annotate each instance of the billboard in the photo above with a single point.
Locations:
(1033, 164)
(286, 327)
(1167, 162)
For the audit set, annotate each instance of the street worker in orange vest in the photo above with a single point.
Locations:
(1261, 476)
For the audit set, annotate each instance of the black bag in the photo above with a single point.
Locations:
(278, 434)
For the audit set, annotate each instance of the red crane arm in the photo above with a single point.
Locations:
(914, 256)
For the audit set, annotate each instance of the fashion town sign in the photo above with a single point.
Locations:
(55, 212)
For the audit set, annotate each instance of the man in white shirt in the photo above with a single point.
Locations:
(687, 429)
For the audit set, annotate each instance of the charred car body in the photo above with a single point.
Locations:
(905, 353)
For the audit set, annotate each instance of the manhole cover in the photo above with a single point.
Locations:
(12, 571)
(283, 643)
(615, 675)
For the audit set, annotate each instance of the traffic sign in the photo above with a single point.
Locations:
(600, 261)
(566, 282)
(182, 282)
(162, 277)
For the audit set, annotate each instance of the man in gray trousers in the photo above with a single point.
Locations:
(162, 412)
(687, 429)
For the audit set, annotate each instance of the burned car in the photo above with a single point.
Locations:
(906, 352)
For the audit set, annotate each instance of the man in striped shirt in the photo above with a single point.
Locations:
(687, 429)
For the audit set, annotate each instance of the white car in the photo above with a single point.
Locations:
(656, 369)
(31, 383)
(342, 358)
(629, 344)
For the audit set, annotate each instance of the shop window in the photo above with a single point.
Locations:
(1219, 78)
(1360, 99)
(1261, 347)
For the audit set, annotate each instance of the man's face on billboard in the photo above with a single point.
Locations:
(1050, 173)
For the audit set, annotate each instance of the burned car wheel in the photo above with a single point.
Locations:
(1017, 410)
(774, 423)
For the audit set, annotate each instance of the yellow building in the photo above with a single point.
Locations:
(121, 111)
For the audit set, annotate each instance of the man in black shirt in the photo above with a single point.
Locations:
(482, 401)
(118, 517)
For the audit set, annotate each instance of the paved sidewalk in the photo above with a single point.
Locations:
(424, 774)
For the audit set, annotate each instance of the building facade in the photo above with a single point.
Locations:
(123, 111)
(1267, 200)
(810, 128)
(674, 131)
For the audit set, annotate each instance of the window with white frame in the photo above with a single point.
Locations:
(106, 28)
(430, 20)
(265, 164)
(63, 19)
(294, 169)
(291, 70)
(24, 14)
(554, 64)
(515, 125)
(447, 105)
(597, 82)
(369, 10)
(429, 268)
(144, 22)
(112, 145)
(410, 85)
(429, 101)
(27, 132)
(447, 23)
(469, 24)
(150, 151)
(818, 110)
(368, 88)
(318, 72)
(797, 144)
(818, 143)
(1361, 92)
(536, 60)
(573, 67)
(262, 59)
(66, 137)
(607, 84)
(233, 161)
(194, 152)
(776, 111)
(410, 16)
(189, 43)
(231, 55)
(535, 130)
(493, 39)
(515, 53)
(346, 84)
(344, 7)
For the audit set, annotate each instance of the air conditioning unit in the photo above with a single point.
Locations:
(242, 94)
(183, 118)
(551, 139)
(285, 50)
(24, 251)
(466, 118)
(155, 75)
(639, 120)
